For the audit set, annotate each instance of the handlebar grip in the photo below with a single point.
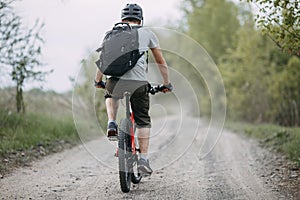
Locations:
(166, 88)
(159, 88)
(154, 89)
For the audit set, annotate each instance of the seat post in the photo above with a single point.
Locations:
(127, 101)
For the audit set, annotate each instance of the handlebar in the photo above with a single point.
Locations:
(151, 89)
(160, 88)
(154, 89)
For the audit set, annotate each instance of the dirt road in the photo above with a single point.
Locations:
(232, 170)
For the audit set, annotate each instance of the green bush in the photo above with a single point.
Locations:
(293, 147)
(22, 132)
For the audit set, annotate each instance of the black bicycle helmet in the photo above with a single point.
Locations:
(132, 11)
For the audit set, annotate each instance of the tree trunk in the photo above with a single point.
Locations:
(19, 99)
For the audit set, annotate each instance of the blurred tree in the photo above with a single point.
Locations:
(20, 50)
(285, 93)
(213, 24)
(280, 20)
(262, 83)
(84, 88)
(246, 72)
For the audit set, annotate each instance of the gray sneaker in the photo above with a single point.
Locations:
(144, 167)
(112, 131)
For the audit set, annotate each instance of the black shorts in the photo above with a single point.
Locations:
(115, 88)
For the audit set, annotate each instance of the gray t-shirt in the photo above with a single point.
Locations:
(147, 39)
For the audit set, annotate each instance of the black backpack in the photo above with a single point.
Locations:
(119, 51)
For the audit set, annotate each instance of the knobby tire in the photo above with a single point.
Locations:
(124, 153)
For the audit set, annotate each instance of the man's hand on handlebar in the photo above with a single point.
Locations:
(166, 88)
(160, 88)
(100, 84)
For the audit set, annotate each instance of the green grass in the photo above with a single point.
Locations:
(26, 132)
(285, 140)
(45, 128)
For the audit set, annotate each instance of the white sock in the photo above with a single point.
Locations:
(144, 156)
(109, 121)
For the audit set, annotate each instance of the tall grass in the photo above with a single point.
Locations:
(21, 132)
(282, 139)
(46, 127)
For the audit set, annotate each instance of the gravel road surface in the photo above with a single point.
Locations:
(232, 170)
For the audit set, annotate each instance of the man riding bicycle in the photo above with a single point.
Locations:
(136, 82)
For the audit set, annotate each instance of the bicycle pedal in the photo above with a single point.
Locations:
(144, 175)
(113, 138)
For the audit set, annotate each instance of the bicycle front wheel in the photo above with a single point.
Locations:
(124, 154)
(135, 175)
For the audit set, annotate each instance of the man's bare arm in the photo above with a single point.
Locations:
(162, 65)
(98, 76)
(98, 80)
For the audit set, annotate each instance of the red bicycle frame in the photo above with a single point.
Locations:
(133, 148)
(130, 115)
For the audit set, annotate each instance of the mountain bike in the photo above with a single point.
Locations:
(128, 150)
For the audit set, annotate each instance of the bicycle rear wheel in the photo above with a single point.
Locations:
(124, 154)
(135, 175)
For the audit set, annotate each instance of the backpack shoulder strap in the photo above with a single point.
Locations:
(147, 58)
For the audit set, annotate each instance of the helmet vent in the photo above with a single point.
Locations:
(132, 11)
